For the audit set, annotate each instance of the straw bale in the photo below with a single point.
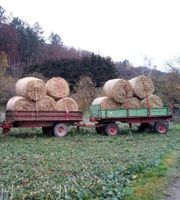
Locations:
(46, 104)
(66, 104)
(153, 101)
(57, 88)
(131, 103)
(18, 103)
(106, 103)
(142, 86)
(118, 89)
(31, 88)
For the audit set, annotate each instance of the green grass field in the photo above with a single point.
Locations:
(82, 165)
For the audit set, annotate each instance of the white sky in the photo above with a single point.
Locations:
(121, 29)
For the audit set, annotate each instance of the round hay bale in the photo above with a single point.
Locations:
(46, 104)
(57, 88)
(118, 89)
(142, 86)
(31, 88)
(66, 104)
(131, 103)
(18, 103)
(152, 101)
(106, 103)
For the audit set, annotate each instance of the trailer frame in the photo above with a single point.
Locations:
(155, 119)
(48, 120)
(103, 120)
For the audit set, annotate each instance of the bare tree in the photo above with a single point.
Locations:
(148, 62)
(174, 65)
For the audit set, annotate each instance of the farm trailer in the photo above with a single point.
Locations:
(154, 119)
(52, 122)
(104, 120)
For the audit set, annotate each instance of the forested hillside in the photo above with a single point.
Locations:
(24, 51)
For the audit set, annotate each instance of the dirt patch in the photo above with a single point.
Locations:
(173, 191)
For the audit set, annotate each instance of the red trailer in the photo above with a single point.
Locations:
(52, 122)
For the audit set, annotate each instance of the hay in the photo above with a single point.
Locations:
(106, 103)
(131, 103)
(31, 88)
(142, 86)
(118, 89)
(46, 104)
(66, 104)
(152, 102)
(18, 103)
(57, 88)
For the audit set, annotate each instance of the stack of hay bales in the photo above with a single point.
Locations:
(29, 90)
(18, 103)
(58, 88)
(117, 92)
(66, 104)
(143, 89)
(135, 93)
(118, 89)
(34, 94)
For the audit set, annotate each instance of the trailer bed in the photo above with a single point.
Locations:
(154, 118)
(98, 113)
(43, 116)
(31, 119)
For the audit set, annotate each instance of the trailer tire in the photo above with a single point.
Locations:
(60, 130)
(47, 130)
(161, 127)
(112, 129)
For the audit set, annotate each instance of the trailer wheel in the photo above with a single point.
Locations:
(112, 129)
(47, 130)
(60, 130)
(161, 127)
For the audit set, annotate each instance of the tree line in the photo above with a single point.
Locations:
(98, 68)
(25, 45)
(28, 51)
(24, 51)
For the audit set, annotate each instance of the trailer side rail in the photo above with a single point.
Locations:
(24, 116)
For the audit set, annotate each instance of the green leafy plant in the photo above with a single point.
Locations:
(83, 165)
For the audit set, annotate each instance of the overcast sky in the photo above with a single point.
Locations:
(121, 29)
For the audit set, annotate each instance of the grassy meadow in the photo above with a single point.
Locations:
(83, 165)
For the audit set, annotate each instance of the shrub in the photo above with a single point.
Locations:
(85, 92)
(7, 85)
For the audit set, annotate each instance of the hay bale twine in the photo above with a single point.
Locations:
(31, 88)
(152, 101)
(66, 104)
(131, 103)
(46, 104)
(118, 89)
(142, 86)
(57, 88)
(106, 103)
(18, 103)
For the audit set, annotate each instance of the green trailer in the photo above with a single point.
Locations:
(153, 119)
